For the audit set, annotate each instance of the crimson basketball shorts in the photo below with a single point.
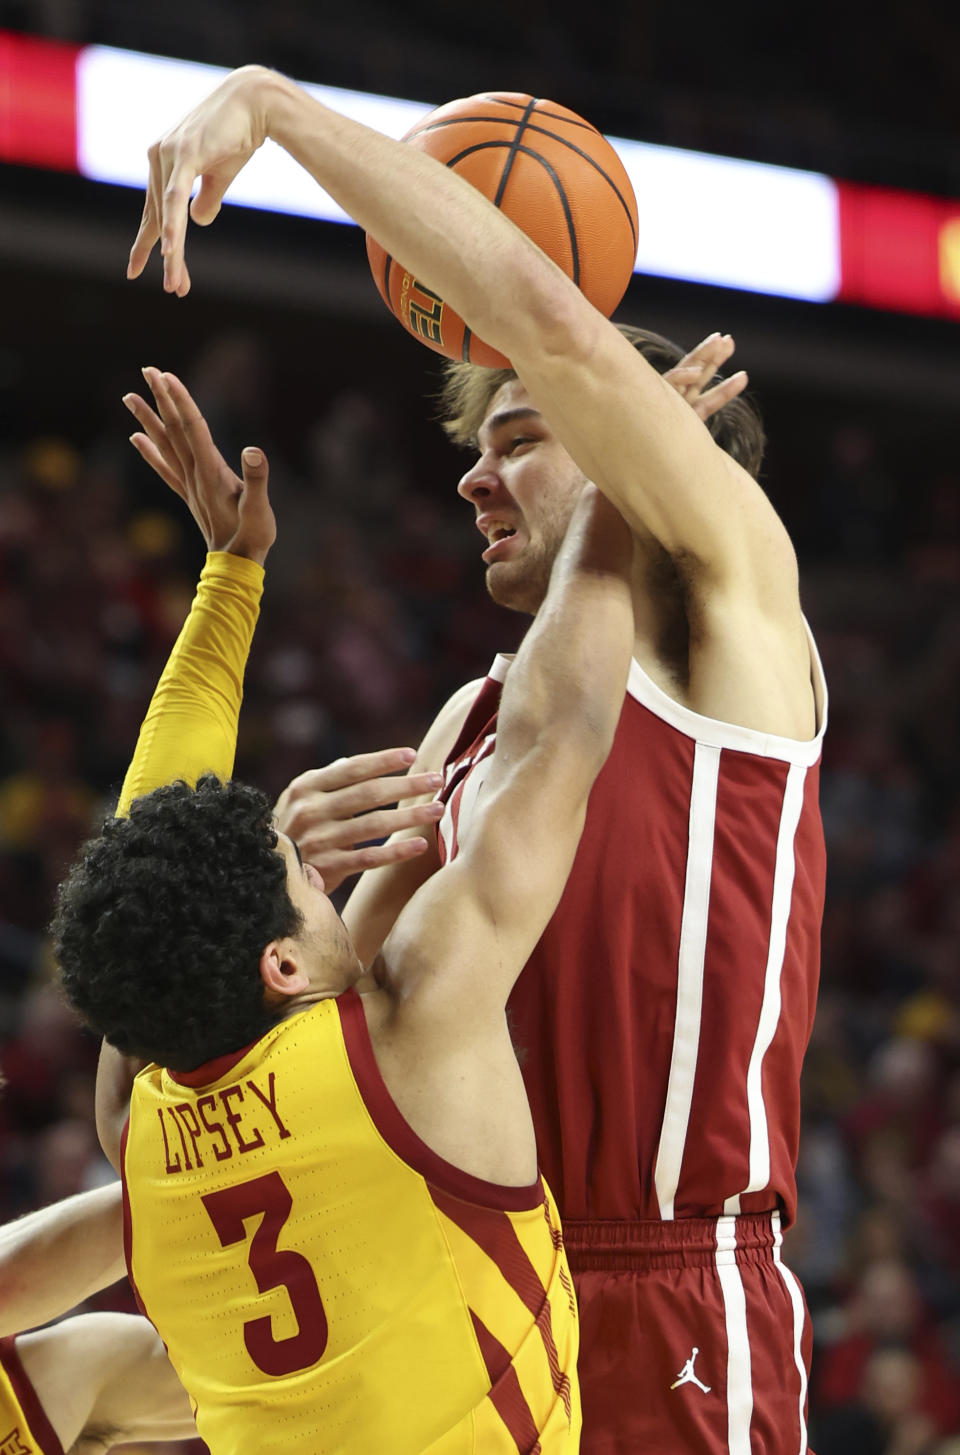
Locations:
(694, 1338)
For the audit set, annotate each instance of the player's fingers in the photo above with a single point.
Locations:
(256, 525)
(324, 819)
(377, 824)
(699, 352)
(209, 198)
(179, 171)
(714, 399)
(149, 230)
(361, 766)
(183, 287)
(683, 378)
(170, 416)
(149, 452)
(345, 803)
(340, 865)
(148, 420)
(709, 355)
(193, 427)
(375, 792)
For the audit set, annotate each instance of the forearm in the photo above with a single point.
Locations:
(662, 471)
(570, 674)
(53, 1259)
(434, 222)
(191, 724)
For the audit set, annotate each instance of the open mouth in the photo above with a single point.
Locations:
(502, 547)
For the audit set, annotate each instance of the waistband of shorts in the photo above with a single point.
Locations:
(607, 1243)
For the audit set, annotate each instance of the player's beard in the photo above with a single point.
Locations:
(521, 584)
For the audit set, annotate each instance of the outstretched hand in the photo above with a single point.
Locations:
(233, 512)
(697, 369)
(213, 142)
(333, 813)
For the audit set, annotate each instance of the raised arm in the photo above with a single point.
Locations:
(54, 1259)
(191, 724)
(626, 428)
(462, 940)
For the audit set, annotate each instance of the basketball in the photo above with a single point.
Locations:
(553, 175)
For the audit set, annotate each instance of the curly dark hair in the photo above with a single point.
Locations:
(467, 390)
(161, 922)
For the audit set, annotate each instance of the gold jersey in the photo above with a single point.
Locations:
(322, 1280)
(24, 1428)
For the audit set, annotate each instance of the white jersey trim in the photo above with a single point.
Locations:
(711, 730)
(690, 962)
(783, 877)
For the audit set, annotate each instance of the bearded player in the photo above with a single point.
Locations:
(664, 1014)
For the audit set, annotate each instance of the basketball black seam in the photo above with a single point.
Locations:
(481, 145)
(567, 116)
(547, 167)
(504, 120)
(501, 186)
(514, 148)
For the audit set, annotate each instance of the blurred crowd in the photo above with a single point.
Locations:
(374, 611)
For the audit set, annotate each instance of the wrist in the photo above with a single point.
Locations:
(278, 101)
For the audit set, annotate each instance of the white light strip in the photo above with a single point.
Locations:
(738, 224)
(126, 101)
(704, 219)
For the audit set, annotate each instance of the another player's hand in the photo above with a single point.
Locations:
(331, 811)
(213, 142)
(233, 512)
(695, 371)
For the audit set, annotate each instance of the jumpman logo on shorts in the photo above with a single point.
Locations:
(687, 1376)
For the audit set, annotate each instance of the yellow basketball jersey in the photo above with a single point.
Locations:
(24, 1428)
(322, 1280)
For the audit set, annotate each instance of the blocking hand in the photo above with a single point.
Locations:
(233, 513)
(331, 811)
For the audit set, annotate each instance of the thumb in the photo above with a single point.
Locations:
(207, 202)
(256, 526)
(256, 471)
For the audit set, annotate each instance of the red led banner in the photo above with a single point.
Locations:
(899, 250)
(38, 108)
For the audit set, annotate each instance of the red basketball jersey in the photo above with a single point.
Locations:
(663, 1017)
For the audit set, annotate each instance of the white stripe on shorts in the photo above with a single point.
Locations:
(796, 1300)
(739, 1373)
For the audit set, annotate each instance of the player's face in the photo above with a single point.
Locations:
(328, 949)
(523, 488)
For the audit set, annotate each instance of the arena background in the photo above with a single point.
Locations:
(375, 607)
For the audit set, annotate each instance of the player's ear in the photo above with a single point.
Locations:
(280, 972)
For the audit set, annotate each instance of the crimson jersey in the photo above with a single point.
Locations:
(662, 1018)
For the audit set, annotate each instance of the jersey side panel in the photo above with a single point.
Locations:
(24, 1426)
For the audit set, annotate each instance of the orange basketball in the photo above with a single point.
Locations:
(554, 175)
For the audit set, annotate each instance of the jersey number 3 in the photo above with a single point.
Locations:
(268, 1197)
